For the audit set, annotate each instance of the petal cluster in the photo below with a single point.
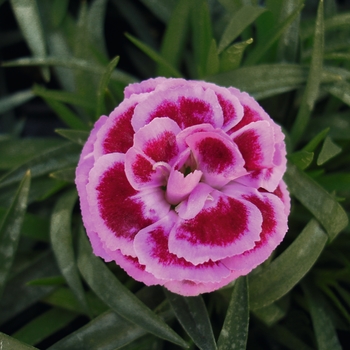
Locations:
(182, 185)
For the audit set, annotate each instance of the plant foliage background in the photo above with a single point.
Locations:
(58, 75)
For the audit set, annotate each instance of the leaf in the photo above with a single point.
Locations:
(213, 62)
(12, 101)
(62, 245)
(107, 286)
(161, 9)
(77, 136)
(234, 332)
(193, 316)
(319, 202)
(67, 175)
(329, 150)
(271, 37)
(59, 11)
(231, 57)
(277, 279)
(316, 140)
(324, 328)
(28, 18)
(313, 81)
(100, 108)
(155, 56)
(8, 342)
(175, 37)
(44, 326)
(48, 281)
(239, 21)
(340, 90)
(302, 159)
(271, 313)
(10, 228)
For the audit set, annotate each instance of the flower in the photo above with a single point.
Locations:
(182, 185)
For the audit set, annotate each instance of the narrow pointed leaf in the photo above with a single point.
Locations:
(311, 145)
(234, 333)
(319, 202)
(12, 101)
(271, 313)
(313, 81)
(328, 151)
(302, 159)
(277, 279)
(161, 9)
(107, 287)
(59, 10)
(192, 314)
(340, 90)
(10, 228)
(77, 136)
(239, 21)
(213, 62)
(67, 175)
(8, 342)
(62, 245)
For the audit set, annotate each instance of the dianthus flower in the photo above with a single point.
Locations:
(182, 185)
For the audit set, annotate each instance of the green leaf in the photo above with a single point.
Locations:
(9, 102)
(28, 18)
(313, 81)
(329, 150)
(231, 58)
(155, 56)
(340, 90)
(77, 136)
(59, 11)
(8, 342)
(100, 108)
(10, 228)
(319, 202)
(213, 62)
(107, 286)
(161, 9)
(62, 244)
(312, 144)
(44, 326)
(48, 281)
(271, 37)
(324, 328)
(277, 279)
(67, 175)
(239, 21)
(175, 36)
(234, 332)
(302, 159)
(271, 313)
(192, 314)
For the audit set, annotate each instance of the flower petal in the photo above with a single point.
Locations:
(119, 211)
(151, 246)
(224, 227)
(144, 86)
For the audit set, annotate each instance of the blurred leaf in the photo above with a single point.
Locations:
(10, 228)
(175, 37)
(100, 108)
(213, 62)
(316, 140)
(271, 37)
(313, 81)
(329, 150)
(319, 202)
(201, 34)
(340, 90)
(335, 181)
(48, 281)
(154, 56)
(15, 152)
(234, 333)
(35, 227)
(44, 326)
(231, 57)
(12, 101)
(44, 163)
(192, 314)
(107, 286)
(238, 22)
(8, 342)
(271, 313)
(278, 278)
(62, 244)
(67, 175)
(325, 332)
(28, 18)
(302, 159)
(162, 9)
(231, 5)
(59, 11)
(77, 136)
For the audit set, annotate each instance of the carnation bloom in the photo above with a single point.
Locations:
(182, 185)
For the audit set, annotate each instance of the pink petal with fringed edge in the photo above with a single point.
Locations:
(187, 105)
(256, 144)
(274, 228)
(182, 136)
(217, 157)
(224, 227)
(119, 211)
(144, 86)
(151, 247)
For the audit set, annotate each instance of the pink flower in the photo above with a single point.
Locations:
(182, 185)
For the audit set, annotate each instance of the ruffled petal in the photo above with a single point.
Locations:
(186, 105)
(217, 157)
(224, 227)
(144, 86)
(151, 246)
(119, 211)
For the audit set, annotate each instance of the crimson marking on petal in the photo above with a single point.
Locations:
(217, 226)
(142, 168)
(228, 109)
(215, 154)
(249, 116)
(163, 148)
(120, 136)
(121, 214)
